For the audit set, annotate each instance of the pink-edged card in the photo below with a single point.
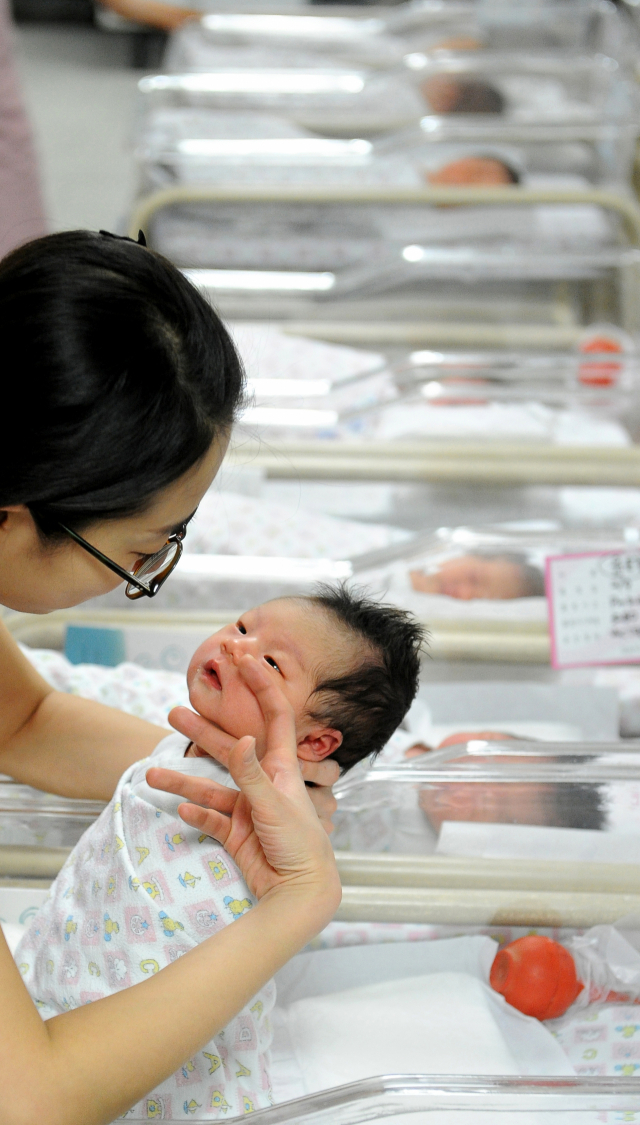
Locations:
(594, 608)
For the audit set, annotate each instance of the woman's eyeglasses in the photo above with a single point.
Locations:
(150, 572)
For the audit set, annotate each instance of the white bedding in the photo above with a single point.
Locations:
(527, 841)
(495, 421)
(441, 1023)
(230, 524)
(421, 1007)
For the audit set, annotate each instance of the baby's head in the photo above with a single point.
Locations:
(349, 667)
(492, 575)
(473, 171)
(447, 93)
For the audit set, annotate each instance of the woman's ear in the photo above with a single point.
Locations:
(16, 518)
(8, 517)
(319, 743)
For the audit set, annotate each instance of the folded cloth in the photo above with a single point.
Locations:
(439, 1023)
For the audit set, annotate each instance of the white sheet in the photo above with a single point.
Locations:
(526, 841)
(325, 1033)
(441, 1023)
(227, 523)
(494, 421)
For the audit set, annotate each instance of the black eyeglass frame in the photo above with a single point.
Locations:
(142, 590)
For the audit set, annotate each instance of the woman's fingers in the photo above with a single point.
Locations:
(206, 820)
(324, 773)
(199, 790)
(245, 768)
(325, 805)
(278, 715)
(204, 733)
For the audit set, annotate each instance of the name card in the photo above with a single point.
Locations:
(594, 608)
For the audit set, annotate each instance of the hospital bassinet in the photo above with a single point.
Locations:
(342, 101)
(413, 1099)
(216, 580)
(436, 840)
(382, 37)
(312, 977)
(358, 265)
(195, 145)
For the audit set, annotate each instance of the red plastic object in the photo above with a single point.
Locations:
(537, 976)
(599, 374)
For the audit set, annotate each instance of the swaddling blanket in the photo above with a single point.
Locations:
(140, 889)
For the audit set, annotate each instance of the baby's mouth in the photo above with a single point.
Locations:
(212, 675)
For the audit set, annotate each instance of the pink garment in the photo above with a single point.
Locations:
(21, 209)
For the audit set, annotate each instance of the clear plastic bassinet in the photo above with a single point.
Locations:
(418, 1100)
(464, 90)
(381, 38)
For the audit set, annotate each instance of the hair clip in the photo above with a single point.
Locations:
(141, 240)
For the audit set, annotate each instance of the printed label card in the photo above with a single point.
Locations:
(594, 608)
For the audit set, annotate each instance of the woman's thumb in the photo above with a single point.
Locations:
(244, 766)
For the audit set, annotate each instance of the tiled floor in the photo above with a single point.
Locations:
(80, 92)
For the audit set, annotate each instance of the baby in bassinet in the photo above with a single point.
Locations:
(141, 887)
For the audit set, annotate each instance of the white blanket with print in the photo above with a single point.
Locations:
(138, 891)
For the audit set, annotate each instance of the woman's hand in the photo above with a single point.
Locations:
(270, 827)
(320, 776)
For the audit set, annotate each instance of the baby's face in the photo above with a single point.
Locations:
(468, 577)
(471, 171)
(292, 640)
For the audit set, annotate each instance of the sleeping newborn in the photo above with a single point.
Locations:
(448, 94)
(141, 888)
(499, 576)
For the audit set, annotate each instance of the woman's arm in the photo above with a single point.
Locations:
(78, 748)
(90, 1065)
(154, 12)
(61, 743)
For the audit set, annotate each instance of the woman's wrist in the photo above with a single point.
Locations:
(309, 903)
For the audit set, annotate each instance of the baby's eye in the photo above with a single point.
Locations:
(241, 629)
(271, 661)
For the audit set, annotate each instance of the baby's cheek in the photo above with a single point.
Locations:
(242, 715)
(246, 721)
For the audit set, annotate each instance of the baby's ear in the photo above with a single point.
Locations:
(319, 743)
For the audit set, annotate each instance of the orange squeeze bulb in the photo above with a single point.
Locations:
(537, 976)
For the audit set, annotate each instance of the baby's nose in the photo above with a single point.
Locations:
(237, 646)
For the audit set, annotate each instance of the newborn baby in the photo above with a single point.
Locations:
(448, 94)
(141, 888)
(474, 171)
(497, 576)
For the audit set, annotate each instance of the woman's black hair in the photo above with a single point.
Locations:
(118, 377)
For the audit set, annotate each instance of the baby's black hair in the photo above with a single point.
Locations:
(531, 577)
(512, 172)
(577, 805)
(478, 97)
(368, 703)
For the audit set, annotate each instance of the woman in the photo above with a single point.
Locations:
(119, 390)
